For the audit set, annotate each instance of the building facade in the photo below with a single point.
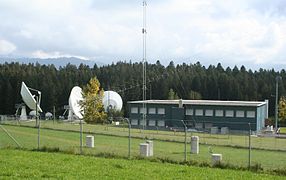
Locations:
(200, 114)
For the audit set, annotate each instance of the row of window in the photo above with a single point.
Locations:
(134, 110)
(160, 123)
(220, 113)
(200, 112)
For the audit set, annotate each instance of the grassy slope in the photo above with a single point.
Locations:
(25, 164)
(69, 141)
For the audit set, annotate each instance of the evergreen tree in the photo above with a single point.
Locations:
(188, 81)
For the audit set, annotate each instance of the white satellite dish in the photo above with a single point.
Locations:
(32, 113)
(112, 100)
(29, 99)
(48, 115)
(74, 101)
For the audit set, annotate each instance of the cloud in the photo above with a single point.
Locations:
(43, 55)
(6, 47)
(230, 32)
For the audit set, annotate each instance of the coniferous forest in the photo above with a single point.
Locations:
(186, 81)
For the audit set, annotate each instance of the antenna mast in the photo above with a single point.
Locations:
(144, 60)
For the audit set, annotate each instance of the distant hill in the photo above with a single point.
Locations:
(62, 61)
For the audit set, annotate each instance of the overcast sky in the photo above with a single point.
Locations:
(241, 32)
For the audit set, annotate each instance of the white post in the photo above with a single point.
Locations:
(195, 144)
(90, 141)
(144, 149)
(150, 143)
(216, 158)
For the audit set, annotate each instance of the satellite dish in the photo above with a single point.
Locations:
(74, 101)
(29, 99)
(32, 113)
(112, 100)
(48, 115)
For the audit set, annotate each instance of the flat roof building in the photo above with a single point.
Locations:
(200, 114)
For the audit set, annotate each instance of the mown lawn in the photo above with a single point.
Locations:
(69, 142)
(283, 130)
(270, 143)
(17, 164)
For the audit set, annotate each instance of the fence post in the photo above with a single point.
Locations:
(185, 139)
(38, 121)
(249, 147)
(129, 138)
(54, 114)
(80, 141)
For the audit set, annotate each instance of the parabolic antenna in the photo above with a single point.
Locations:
(48, 115)
(32, 113)
(112, 100)
(74, 101)
(28, 98)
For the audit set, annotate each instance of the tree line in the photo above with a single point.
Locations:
(186, 81)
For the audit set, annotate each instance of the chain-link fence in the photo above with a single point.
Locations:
(241, 147)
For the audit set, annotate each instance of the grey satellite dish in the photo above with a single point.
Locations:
(29, 99)
(112, 100)
(74, 101)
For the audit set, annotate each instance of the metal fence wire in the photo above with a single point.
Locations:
(174, 140)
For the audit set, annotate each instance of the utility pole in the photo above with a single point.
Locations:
(144, 60)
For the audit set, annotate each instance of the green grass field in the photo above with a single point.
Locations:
(205, 138)
(69, 142)
(17, 164)
(283, 130)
